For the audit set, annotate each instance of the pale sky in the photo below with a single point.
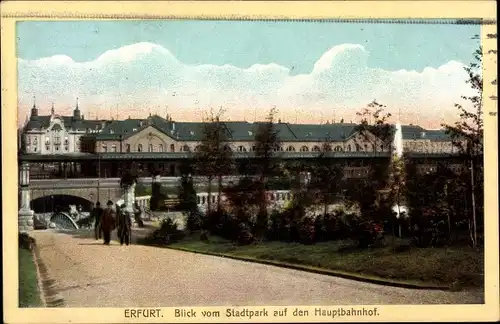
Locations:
(311, 71)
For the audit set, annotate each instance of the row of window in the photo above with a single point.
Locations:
(47, 148)
(57, 140)
(186, 148)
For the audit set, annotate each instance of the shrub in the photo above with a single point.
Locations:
(276, 226)
(204, 236)
(167, 233)
(348, 225)
(245, 235)
(431, 233)
(369, 233)
(307, 230)
(26, 242)
(328, 226)
(194, 220)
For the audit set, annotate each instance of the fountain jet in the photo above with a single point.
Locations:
(398, 141)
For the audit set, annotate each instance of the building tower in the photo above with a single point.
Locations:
(34, 110)
(76, 112)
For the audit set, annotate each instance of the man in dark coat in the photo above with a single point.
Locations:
(124, 226)
(108, 220)
(97, 214)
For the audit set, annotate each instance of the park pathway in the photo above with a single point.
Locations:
(90, 274)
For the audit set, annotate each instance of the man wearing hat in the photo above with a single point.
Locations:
(108, 221)
(96, 214)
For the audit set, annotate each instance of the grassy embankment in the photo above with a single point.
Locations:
(445, 267)
(29, 294)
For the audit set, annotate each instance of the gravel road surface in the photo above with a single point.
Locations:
(90, 274)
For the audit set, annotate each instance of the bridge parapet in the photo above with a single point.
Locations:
(75, 182)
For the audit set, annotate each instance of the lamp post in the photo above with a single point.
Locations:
(98, 174)
(25, 215)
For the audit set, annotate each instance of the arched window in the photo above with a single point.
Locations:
(139, 148)
(316, 148)
(186, 148)
(290, 149)
(241, 148)
(358, 148)
(338, 148)
(128, 148)
(113, 148)
(349, 148)
(382, 147)
(160, 148)
(172, 148)
(150, 148)
(197, 148)
(304, 149)
(203, 199)
(366, 148)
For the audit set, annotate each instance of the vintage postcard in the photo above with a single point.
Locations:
(249, 161)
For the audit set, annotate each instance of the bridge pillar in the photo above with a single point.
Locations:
(25, 215)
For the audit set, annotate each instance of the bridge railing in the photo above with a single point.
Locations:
(276, 198)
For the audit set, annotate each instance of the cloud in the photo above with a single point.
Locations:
(147, 76)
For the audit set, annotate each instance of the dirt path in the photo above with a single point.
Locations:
(90, 274)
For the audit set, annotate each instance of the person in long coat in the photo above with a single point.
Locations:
(108, 220)
(96, 214)
(124, 226)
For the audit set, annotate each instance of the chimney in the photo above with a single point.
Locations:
(140, 123)
(173, 126)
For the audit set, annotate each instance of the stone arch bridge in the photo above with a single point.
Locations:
(88, 189)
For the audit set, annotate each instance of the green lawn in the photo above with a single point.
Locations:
(29, 295)
(440, 266)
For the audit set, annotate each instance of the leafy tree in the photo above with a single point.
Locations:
(187, 194)
(467, 136)
(267, 142)
(213, 158)
(397, 189)
(374, 121)
(327, 177)
(374, 129)
(188, 201)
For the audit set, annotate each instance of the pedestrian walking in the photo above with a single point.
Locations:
(108, 220)
(124, 227)
(97, 215)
